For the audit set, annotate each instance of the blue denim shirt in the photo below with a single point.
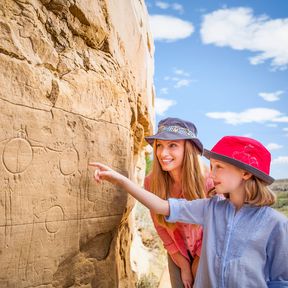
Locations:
(246, 249)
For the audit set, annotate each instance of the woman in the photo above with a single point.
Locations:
(176, 173)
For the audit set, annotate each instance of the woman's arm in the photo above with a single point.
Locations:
(168, 241)
(151, 201)
(180, 261)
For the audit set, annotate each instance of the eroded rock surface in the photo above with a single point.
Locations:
(76, 86)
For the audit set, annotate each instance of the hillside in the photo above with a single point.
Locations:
(280, 187)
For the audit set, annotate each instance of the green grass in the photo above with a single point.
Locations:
(280, 187)
(149, 162)
(282, 202)
(284, 210)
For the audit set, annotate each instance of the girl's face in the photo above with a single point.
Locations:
(170, 154)
(226, 177)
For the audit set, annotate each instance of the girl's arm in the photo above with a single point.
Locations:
(148, 199)
(277, 253)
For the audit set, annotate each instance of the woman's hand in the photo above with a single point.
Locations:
(187, 278)
(185, 267)
(103, 172)
(195, 265)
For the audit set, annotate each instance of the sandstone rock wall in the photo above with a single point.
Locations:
(76, 86)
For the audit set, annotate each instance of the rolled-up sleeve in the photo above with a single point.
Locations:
(182, 210)
(278, 256)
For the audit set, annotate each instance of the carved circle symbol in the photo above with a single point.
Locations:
(17, 155)
(54, 219)
(68, 162)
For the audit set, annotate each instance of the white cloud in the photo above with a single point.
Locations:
(169, 28)
(285, 129)
(272, 125)
(178, 7)
(181, 79)
(162, 5)
(162, 105)
(258, 115)
(273, 146)
(271, 97)
(248, 135)
(175, 6)
(181, 72)
(182, 83)
(164, 90)
(280, 160)
(239, 29)
(283, 119)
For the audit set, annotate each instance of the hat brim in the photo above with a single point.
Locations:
(256, 172)
(165, 135)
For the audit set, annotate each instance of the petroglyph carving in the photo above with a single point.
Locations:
(54, 219)
(68, 162)
(17, 155)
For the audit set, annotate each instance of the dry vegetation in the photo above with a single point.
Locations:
(154, 245)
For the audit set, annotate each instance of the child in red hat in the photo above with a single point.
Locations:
(245, 240)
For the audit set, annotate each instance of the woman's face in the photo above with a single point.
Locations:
(170, 154)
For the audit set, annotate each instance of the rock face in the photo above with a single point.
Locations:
(76, 86)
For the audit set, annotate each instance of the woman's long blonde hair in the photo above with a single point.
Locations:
(193, 186)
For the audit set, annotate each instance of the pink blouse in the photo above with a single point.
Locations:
(184, 236)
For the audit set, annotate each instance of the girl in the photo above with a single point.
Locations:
(176, 173)
(245, 241)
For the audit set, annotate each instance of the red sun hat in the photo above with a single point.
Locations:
(245, 153)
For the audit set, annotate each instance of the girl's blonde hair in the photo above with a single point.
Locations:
(192, 178)
(258, 193)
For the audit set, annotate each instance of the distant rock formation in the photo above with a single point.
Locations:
(76, 86)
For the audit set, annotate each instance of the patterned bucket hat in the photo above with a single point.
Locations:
(176, 129)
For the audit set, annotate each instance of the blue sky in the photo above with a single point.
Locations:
(223, 65)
